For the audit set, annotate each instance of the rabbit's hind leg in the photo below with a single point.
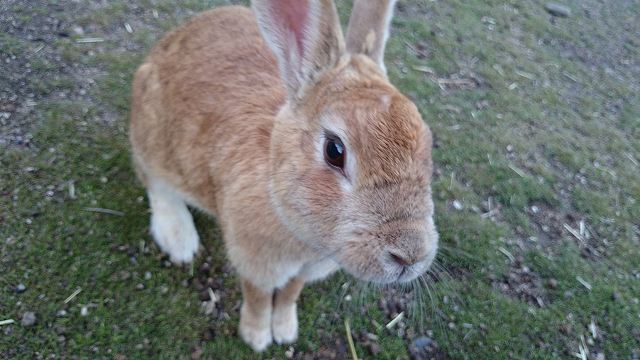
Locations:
(172, 225)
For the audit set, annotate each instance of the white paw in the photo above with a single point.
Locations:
(284, 324)
(259, 338)
(175, 234)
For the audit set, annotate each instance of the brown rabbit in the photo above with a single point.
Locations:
(307, 156)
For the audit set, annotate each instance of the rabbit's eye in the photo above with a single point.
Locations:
(334, 152)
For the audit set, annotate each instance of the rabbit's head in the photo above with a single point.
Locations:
(350, 155)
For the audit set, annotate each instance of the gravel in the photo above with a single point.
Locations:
(28, 319)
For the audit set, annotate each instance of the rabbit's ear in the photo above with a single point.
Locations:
(368, 28)
(304, 35)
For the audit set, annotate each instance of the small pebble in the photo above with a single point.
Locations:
(374, 348)
(147, 275)
(204, 295)
(84, 311)
(196, 353)
(21, 288)
(557, 10)
(289, 352)
(372, 337)
(28, 319)
(616, 296)
(208, 335)
(61, 313)
(457, 205)
(421, 342)
(140, 286)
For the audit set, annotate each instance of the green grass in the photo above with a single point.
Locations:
(550, 120)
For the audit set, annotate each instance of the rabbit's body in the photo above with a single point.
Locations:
(207, 96)
(298, 145)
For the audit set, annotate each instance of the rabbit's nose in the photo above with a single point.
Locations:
(400, 260)
(406, 260)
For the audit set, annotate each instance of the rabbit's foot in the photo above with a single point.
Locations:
(255, 332)
(284, 323)
(172, 225)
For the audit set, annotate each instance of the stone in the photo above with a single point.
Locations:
(558, 10)
(28, 319)
(421, 342)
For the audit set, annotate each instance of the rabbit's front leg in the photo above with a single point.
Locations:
(284, 320)
(255, 316)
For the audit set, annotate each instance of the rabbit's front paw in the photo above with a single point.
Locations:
(258, 337)
(175, 234)
(284, 323)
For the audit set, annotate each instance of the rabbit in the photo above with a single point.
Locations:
(294, 140)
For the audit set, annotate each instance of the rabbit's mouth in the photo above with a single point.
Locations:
(384, 267)
(411, 272)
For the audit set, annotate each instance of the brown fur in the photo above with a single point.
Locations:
(216, 118)
(368, 28)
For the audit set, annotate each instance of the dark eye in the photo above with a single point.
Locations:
(334, 152)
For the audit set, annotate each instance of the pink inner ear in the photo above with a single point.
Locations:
(294, 15)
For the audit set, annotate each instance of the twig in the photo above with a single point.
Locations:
(352, 347)
(395, 320)
(507, 253)
(594, 329)
(570, 77)
(517, 171)
(72, 190)
(105, 211)
(6, 322)
(415, 50)
(525, 75)
(424, 69)
(456, 82)
(574, 232)
(38, 49)
(89, 40)
(490, 213)
(582, 347)
(452, 108)
(584, 283)
(73, 295)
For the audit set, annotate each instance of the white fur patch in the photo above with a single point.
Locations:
(256, 332)
(284, 324)
(171, 223)
(319, 270)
